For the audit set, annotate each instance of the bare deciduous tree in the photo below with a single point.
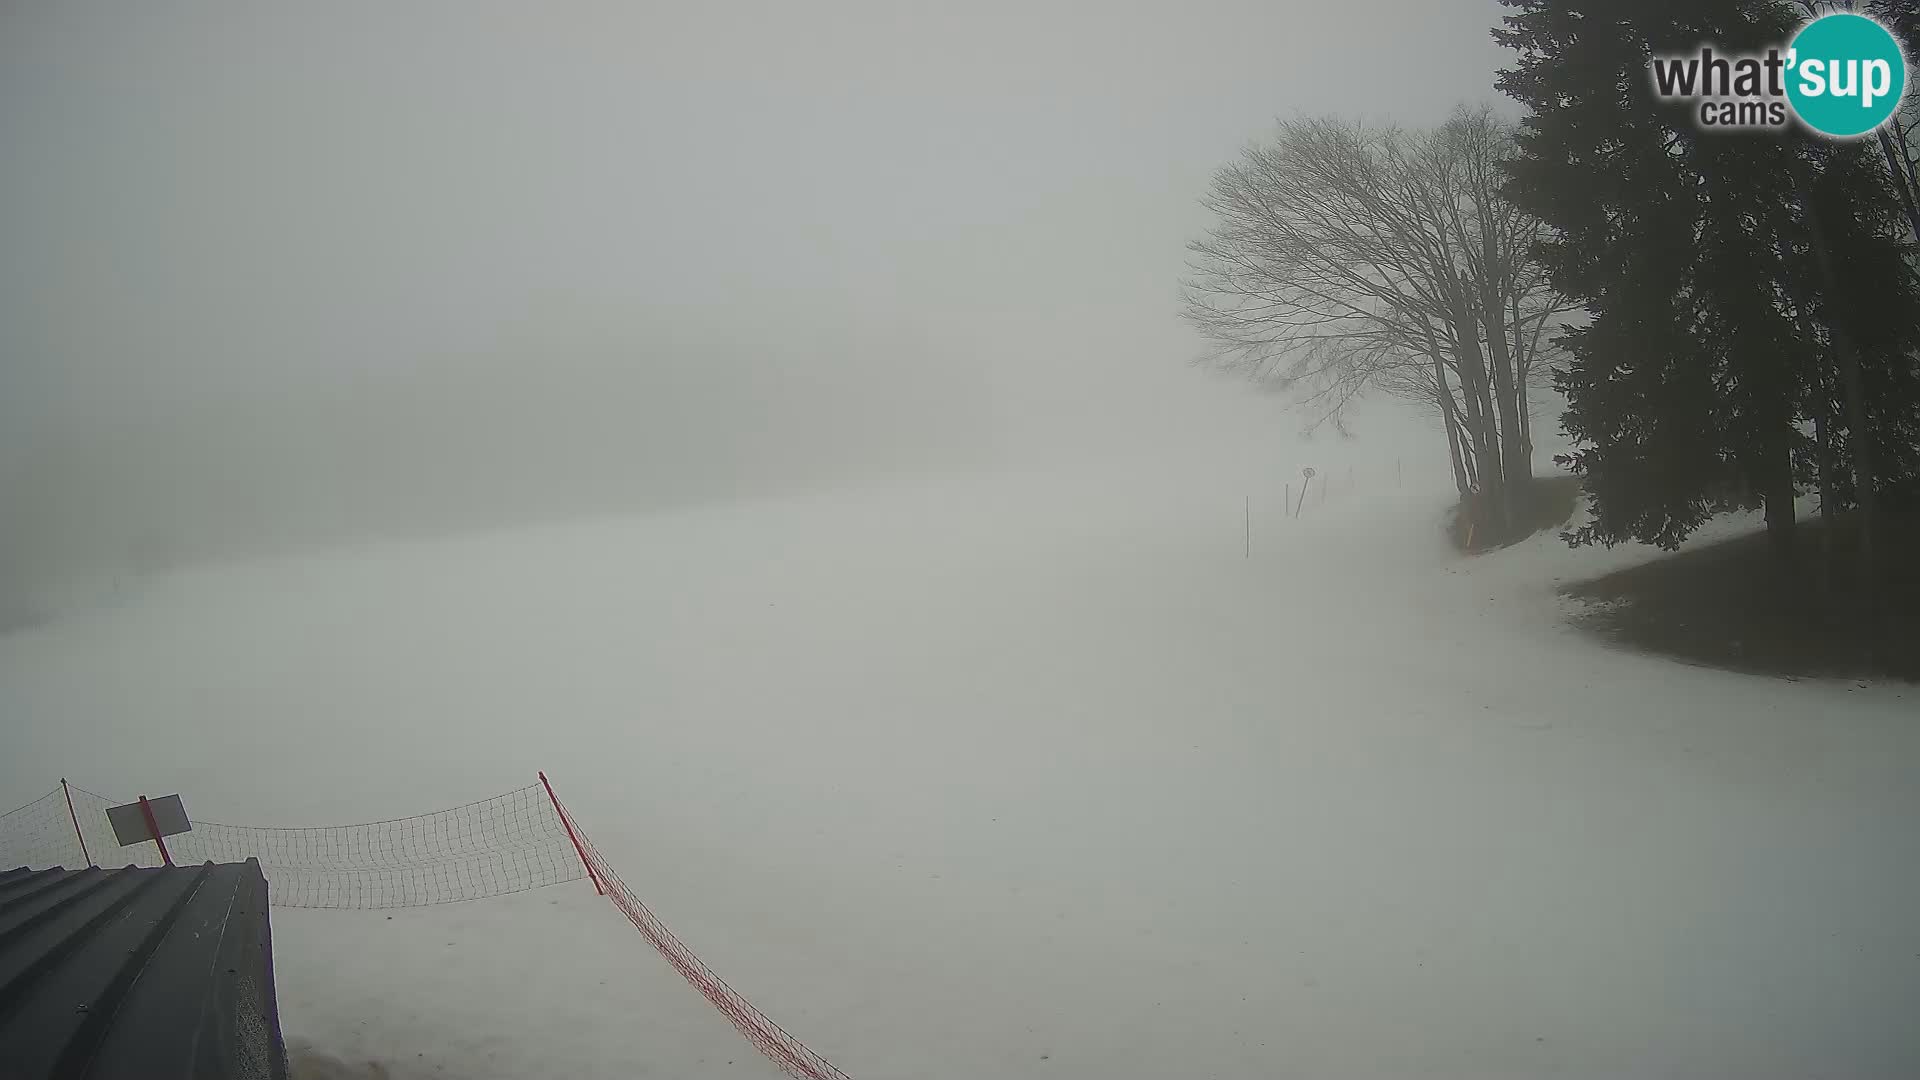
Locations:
(1345, 258)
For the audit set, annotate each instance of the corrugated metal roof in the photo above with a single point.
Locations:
(153, 973)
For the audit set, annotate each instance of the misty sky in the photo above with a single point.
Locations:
(746, 234)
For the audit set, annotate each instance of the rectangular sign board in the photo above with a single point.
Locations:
(130, 825)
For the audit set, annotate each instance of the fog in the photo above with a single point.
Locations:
(776, 424)
(284, 276)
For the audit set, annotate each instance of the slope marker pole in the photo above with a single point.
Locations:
(75, 818)
(577, 849)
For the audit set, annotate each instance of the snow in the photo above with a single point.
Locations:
(1032, 775)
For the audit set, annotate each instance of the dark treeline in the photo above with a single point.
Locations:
(1753, 302)
(1732, 319)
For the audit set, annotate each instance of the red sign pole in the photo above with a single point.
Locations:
(75, 818)
(578, 850)
(153, 829)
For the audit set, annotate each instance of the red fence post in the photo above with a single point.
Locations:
(75, 818)
(578, 850)
(153, 829)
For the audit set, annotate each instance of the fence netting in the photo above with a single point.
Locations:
(521, 840)
(793, 1056)
(508, 843)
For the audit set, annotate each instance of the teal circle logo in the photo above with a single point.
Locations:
(1846, 75)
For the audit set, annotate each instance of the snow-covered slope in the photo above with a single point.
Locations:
(1032, 776)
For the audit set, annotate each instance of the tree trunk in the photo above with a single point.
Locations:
(1859, 435)
(1775, 482)
(1907, 160)
(1480, 424)
(1516, 467)
(1523, 359)
(1902, 182)
(1443, 395)
(1860, 440)
(1823, 441)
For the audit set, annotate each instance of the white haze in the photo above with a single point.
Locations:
(773, 421)
(283, 276)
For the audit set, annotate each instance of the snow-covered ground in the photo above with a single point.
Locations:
(1032, 775)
